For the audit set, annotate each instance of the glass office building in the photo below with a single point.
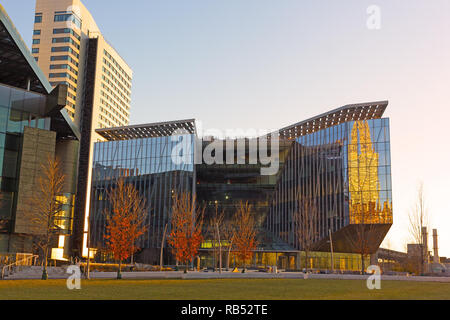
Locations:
(16, 113)
(345, 169)
(33, 126)
(225, 185)
(145, 161)
(341, 159)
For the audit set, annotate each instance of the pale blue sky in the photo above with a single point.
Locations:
(268, 64)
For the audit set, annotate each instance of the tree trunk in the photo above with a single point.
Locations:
(306, 261)
(44, 271)
(220, 250)
(119, 272)
(362, 263)
(214, 255)
(422, 258)
(228, 255)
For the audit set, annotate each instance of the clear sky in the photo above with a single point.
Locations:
(268, 64)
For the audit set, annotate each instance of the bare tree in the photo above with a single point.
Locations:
(245, 232)
(418, 220)
(216, 224)
(388, 246)
(306, 217)
(229, 233)
(47, 201)
(363, 233)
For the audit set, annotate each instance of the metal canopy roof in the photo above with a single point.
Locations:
(158, 129)
(17, 65)
(351, 112)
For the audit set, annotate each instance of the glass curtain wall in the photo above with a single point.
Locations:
(18, 109)
(226, 185)
(148, 164)
(345, 169)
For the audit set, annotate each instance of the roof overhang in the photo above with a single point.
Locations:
(18, 68)
(351, 112)
(151, 130)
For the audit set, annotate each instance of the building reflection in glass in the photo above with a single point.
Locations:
(366, 207)
(346, 169)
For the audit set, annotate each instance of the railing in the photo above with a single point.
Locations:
(30, 260)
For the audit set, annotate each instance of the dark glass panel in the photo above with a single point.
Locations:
(17, 99)
(6, 202)
(5, 95)
(10, 164)
(4, 115)
(14, 121)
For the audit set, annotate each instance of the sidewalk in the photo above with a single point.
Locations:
(193, 275)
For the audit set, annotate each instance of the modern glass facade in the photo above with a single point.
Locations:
(21, 110)
(147, 164)
(341, 160)
(225, 185)
(346, 170)
(33, 127)
(18, 109)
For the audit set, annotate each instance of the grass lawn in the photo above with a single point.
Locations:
(238, 289)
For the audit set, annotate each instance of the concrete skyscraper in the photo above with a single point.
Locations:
(71, 50)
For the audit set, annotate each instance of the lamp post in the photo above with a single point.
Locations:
(162, 248)
(220, 248)
(88, 242)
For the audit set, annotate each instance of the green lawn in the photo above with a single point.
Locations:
(258, 289)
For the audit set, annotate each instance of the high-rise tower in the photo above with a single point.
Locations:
(70, 49)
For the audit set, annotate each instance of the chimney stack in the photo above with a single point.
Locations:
(435, 247)
(425, 239)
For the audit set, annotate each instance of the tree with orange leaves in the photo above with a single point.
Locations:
(245, 232)
(186, 228)
(125, 221)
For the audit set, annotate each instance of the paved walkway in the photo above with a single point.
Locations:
(229, 275)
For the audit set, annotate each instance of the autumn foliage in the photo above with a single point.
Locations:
(186, 227)
(245, 232)
(125, 220)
